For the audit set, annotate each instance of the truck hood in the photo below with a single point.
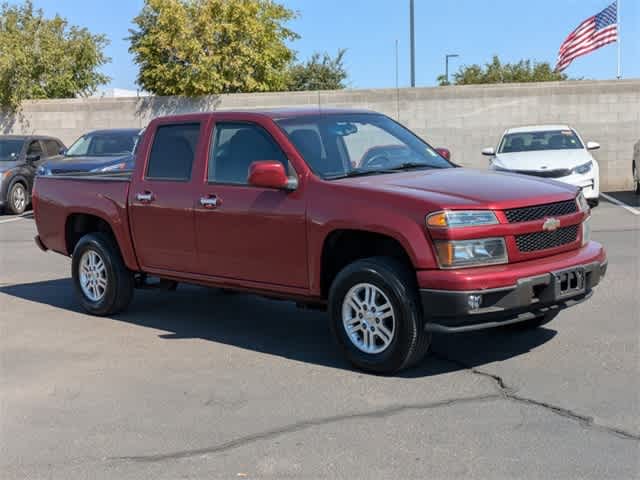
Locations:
(466, 188)
(542, 160)
(83, 164)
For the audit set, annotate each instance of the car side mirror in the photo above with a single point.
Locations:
(270, 174)
(593, 145)
(33, 158)
(444, 152)
(489, 152)
(62, 151)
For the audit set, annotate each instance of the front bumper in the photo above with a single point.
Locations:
(451, 311)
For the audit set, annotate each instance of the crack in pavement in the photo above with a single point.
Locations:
(509, 393)
(295, 427)
(504, 392)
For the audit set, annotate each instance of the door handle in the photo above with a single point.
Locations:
(209, 202)
(146, 197)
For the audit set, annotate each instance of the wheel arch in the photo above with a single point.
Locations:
(343, 246)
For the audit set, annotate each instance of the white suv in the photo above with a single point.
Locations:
(549, 151)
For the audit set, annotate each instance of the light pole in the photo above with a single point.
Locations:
(446, 64)
(412, 43)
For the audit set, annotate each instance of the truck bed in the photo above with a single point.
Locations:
(118, 176)
(58, 199)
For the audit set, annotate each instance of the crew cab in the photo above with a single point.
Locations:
(335, 209)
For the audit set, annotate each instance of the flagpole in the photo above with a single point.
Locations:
(619, 40)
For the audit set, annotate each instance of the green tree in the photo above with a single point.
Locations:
(201, 47)
(498, 72)
(46, 57)
(320, 72)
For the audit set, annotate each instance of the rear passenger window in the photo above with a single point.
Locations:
(173, 151)
(51, 147)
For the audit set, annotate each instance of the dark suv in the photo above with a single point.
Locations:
(20, 157)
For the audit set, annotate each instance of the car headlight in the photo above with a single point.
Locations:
(586, 231)
(583, 205)
(111, 168)
(43, 170)
(584, 168)
(461, 218)
(471, 253)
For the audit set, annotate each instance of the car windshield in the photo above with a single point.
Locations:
(10, 150)
(542, 140)
(342, 145)
(104, 144)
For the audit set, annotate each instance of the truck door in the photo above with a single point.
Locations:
(245, 232)
(161, 200)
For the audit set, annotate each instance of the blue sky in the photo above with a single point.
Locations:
(368, 29)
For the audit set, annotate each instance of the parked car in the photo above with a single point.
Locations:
(635, 166)
(96, 151)
(549, 151)
(269, 202)
(20, 157)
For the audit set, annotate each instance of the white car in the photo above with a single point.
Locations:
(549, 151)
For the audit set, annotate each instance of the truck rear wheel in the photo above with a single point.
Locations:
(376, 316)
(102, 281)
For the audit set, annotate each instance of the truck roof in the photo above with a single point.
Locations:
(27, 137)
(274, 113)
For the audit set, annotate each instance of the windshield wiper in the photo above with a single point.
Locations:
(410, 165)
(359, 173)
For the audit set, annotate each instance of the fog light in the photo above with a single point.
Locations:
(474, 302)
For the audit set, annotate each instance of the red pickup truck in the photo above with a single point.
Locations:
(338, 209)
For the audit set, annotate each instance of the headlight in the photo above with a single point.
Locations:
(461, 218)
(110, 168)
(470, 253)
(584, 168)
(583, 205)
(586, 231)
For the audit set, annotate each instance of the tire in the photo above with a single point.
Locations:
(117, 291)
(17, 199)
(534, 322)
(391, 283)
(594, 202)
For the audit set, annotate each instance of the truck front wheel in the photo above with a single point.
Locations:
(102, 281)
(376, 315)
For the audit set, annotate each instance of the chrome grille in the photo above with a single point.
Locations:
(528, 214)
(532, 242)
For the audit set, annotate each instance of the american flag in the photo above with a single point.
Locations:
(593, 33)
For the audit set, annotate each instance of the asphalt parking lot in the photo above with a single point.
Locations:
(198, 384)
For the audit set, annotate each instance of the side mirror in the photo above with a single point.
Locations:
(444, 152)
(270, 174)
(593, 145)
(33, 158)
(62, 151)
(489, 151)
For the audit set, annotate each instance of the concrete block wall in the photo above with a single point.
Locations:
(462, 118)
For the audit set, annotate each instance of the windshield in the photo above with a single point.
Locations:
(543, 140)
(10, 150)
(340, 145)
(103, 144)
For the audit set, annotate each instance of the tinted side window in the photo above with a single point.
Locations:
(235, 147)
(51, 147)
(173, 151)
(34, 148)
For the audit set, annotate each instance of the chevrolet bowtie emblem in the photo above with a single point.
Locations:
(550, 224)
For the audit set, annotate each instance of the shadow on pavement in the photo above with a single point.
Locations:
(628, 198)
(277, 328)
